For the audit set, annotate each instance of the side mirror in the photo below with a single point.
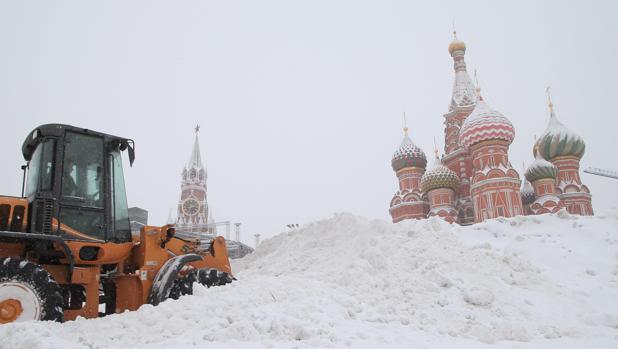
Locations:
(131, 154)
(169, 234)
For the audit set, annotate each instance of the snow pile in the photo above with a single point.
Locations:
(348, 281)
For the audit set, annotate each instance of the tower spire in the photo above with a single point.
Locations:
(405, 124)
(195, 161)
(463, 88)
(550, 104)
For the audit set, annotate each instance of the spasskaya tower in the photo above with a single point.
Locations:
(193, 204)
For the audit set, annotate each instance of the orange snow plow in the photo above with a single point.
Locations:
(66, 249)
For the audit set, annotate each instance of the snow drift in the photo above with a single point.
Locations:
(541, 281)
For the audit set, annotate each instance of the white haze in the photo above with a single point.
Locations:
(299, 102)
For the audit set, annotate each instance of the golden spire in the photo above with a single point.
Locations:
(405, 124)
(435, 147)
(551, 105)
(456, 45)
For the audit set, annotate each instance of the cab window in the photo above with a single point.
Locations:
(82, 178)
(120, 210)
(40, 168)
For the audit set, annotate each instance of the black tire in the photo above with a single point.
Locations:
(213, 277)
(184, 285)
(207, 277)
(38, 281)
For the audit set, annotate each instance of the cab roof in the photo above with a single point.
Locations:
(58, 131)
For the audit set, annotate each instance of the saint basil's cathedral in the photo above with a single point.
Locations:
(474, 180)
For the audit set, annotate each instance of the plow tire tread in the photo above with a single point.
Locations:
(213, 277)
(40, 281)
(183, 286)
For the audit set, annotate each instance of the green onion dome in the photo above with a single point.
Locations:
(439, 176)
(541, 169)
(408, 155)
(559, 141)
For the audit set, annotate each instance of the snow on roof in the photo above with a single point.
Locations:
(540, 169)
(558, 140)
(408, 154)
(463, 90)
(439, 176)
(541, 200)
(485, 123)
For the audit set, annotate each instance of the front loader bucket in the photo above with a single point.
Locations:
(164, 279)
(215, 257)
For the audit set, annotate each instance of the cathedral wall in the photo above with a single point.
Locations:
(410, 178)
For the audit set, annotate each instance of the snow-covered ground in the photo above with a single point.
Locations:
(527, 282)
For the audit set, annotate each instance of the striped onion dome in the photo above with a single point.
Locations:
(408, 155)
(485, 123)
(439, 176)
(559, 141)
(541, 169)
(527, 193)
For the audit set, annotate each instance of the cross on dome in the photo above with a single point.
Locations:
(551, 105)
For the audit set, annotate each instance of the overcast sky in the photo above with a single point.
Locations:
(299, 101)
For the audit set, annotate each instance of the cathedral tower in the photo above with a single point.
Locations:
(462, 103)
(193, 205)
(440, 184)
(542, 174)
(487, 134)
(409, 162)
(564, 149)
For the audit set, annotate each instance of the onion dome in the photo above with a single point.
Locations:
(485, 124)
(439, 176)
(456, 45)
(408, 155)
(541, 169)
(559, 140)
(527, 193)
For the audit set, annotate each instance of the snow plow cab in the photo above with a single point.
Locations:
(66, 247)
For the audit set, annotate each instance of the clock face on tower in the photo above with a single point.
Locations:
(190, 207)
